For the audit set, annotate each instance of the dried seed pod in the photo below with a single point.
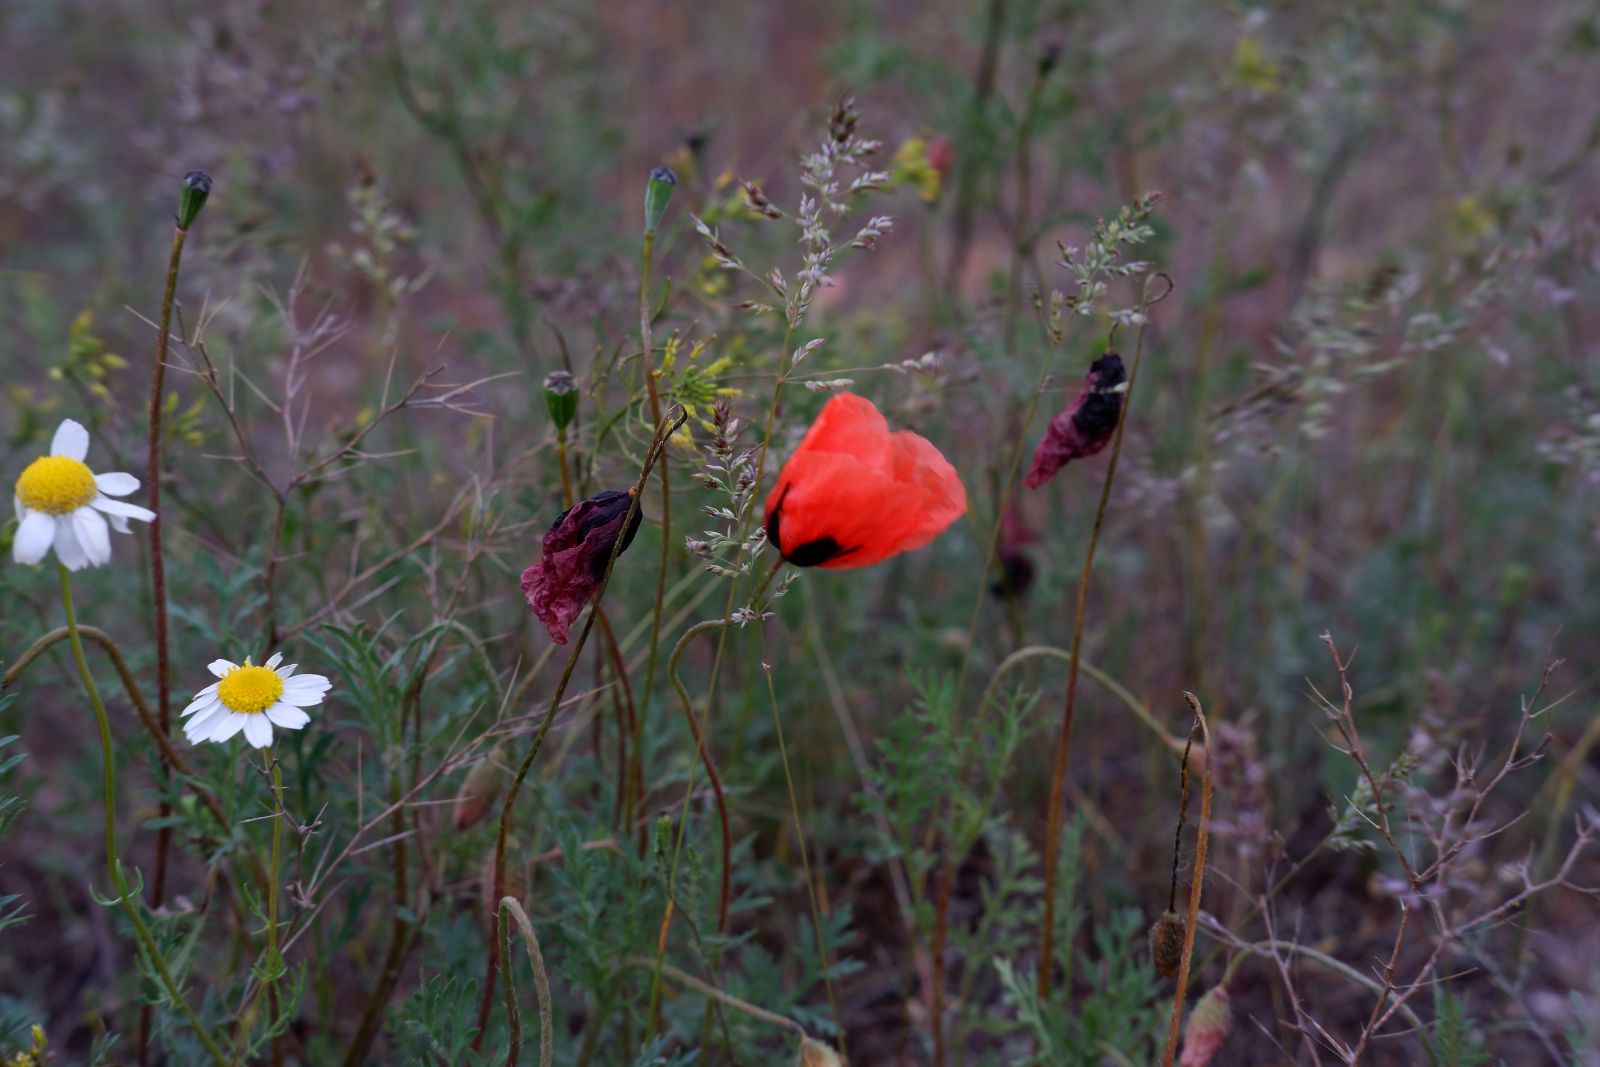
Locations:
(478, 792)
(1166, 943)
(1207, 1028)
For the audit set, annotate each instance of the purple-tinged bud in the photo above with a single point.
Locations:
(561, 398)
(196, 187)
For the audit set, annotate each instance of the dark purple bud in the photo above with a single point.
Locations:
(577, 548)
(1087, 426)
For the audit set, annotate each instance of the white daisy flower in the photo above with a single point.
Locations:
(253, 699)
(59, 502)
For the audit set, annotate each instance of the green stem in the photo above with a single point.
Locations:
(646, 259)
(109, 788)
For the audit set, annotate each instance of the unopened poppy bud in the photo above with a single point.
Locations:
(1207, 1028)
(561, 398)
(196, 187)
(1166, 943)
(1087, 425)
(657, 194)
(478, 792)
(577, 549)
(814, 1053)
(1049, 56)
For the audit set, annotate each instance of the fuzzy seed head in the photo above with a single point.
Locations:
(1166, 943)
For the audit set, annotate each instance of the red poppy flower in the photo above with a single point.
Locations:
(577, 548)
(1084, 428)
(854, 494)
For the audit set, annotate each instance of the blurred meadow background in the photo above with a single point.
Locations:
(1362, 449)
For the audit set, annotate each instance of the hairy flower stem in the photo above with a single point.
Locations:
(824, 960)
(1197, 882)
(665, 429)
(119, 881)
(158, 566)
(725, 890)
(511, 911)
(1058, 774)
(646, 259)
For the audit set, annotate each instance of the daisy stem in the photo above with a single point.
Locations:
(125, 897)
(273, 962)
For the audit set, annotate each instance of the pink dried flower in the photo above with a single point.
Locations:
(1207, 1028)
(577, 548)
(1085, 427)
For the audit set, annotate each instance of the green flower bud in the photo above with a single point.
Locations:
(196, 187)
(657, 194)
(561, 397)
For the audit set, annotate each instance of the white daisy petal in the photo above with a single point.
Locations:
(229, 726)
(287, 716)
(305, 690)
(288, 671)
(219, 667)
(200, 727)
(94, 535)
(71, 440)
(16, 505)
(68, 550)
(122, 509)
(258, 730)
(202, 703)
(34, 537)
(275, 659)
(117, 483)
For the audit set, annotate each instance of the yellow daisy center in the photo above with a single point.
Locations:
(249, 689)
(56, 485)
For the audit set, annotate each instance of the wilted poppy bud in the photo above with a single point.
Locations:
(657, 194)
(196, 187)
(576, 550)
(854, 494)
(561, 397)
(1016, 566)
(1207, 1028)
(1087, 426)
(1166, 943)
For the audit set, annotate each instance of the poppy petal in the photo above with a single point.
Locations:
(833, 507)
(850, 425)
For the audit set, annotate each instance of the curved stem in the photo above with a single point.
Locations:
(108, 785)
(1133, 703)
(146, 716)
(510, 909)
